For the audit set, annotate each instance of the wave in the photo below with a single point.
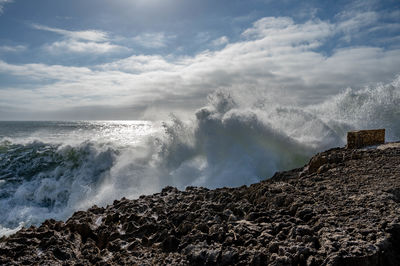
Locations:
(40, 181)
(229, 142)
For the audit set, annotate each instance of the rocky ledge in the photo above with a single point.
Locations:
(340, 209)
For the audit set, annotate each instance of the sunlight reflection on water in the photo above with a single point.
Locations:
(121, 133)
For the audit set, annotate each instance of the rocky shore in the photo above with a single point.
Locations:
(342, 208)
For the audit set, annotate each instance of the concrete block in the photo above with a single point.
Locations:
(363, 138)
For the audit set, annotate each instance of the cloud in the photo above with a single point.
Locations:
(86, 35)
(359, 19)
(220, 41)
(202, 37)
(74, 46)
(139, 63)
(2, 3)
(82, 42)
(152, 40)
(45, 72)
(352, 21)
(283, 31)
(12, 49)
(276, 57)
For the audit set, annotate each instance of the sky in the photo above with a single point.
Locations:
(143, 59)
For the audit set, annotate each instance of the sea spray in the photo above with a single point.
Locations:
(49, 181)
(51, 169)
(368, 108)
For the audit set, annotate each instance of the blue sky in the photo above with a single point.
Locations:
(131, 59)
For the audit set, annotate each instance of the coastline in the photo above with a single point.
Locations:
(342, 208)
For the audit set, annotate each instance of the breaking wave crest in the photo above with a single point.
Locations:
(229, 142)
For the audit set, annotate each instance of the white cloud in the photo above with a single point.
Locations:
(284, 32)
(263, 26)
(276, 56)
(152, 40)
(220, 41)
(12, 49)
(352, 21)
(45, 72)
(139, 64)
(359, 18)
(82, 42)
(74, 46)
(86, 35)
(2, 3)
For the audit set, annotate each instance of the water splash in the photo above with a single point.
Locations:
(54, 171)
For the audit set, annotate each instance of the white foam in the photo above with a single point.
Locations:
(229, 142)
(9, 231)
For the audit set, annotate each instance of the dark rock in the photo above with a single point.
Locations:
(340, 209)
(170, 244)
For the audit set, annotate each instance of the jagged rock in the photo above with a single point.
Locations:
(340, 209)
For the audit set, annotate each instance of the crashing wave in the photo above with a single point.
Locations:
(229, 142)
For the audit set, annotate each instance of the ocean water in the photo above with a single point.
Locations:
(51, 169)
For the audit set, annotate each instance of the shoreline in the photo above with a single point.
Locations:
(342, 208)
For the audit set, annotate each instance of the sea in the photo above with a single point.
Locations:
(50, 169)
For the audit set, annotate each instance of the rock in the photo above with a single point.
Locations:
(340, 209)
(170, 244)
(229, 257)
(316, 162)
(305, 214)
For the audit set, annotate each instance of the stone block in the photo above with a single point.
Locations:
(363, 138)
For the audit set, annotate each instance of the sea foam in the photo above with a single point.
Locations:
(61, 168)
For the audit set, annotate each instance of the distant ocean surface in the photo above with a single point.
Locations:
(51, 169)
